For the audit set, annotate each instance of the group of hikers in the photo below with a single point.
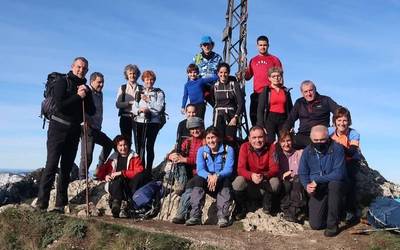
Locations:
(308, 174)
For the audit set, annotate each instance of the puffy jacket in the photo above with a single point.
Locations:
(265, 163)
(221, 163)
(322, 168)
(134, 166)
(207, 67)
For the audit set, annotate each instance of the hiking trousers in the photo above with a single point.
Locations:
(94, 136)
(62, 145)
(146, 134)
(122, 188)
(325, 205)
(127, 125)
(197, 197)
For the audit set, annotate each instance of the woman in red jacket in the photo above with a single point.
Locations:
(123, 173)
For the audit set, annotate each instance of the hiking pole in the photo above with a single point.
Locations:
(143, 147)
(367, 231)
(85, 140)
(169, 208)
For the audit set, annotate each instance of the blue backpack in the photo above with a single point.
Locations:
(384, 212)
(146, 201)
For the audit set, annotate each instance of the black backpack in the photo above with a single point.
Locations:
(48, 107)
(163, 115)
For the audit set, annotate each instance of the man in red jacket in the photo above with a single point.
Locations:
(258, 171)
(258, 67)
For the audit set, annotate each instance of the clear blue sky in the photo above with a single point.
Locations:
(350, 49)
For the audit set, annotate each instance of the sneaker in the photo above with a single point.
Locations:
(193, 221)
(331, 231)
(178, 220)
(222, 222)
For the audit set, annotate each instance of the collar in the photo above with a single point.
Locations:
(75, 79)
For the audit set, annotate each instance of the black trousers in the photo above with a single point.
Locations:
(326, 204)
(62, 143)
(200, 110)
(253, 108)
(273, 125)
(127, 125)
(221, 121)
(301, 141)
(94, 136)
(353, 167)
(146, 134)
(122, 188)
(294, 200)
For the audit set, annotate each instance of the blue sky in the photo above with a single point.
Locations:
(350, 49)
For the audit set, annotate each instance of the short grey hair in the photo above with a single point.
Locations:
(131, 67)
(319, 129)
(81, 58)
(307, 82)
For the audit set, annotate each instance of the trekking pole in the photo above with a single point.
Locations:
(169, 208)
(143, 147)
(85, 157)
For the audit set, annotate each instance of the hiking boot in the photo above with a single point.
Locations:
(57, 210)
(115, 208)
(266, 203)
(193, 221)
(331, 231)
(351, 219)
(178, 220)
(222, 222)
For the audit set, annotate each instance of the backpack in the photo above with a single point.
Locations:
(48, 106)
(224, 153)
(146, 201)
(384, 212)
(139, 89)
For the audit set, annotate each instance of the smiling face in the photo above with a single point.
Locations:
(131, 76)
(97, 84)
(196, 132)
(223, 74)
(257, 139)
(123, 148)
(212, 141)
(190, 111)
(286, 144)
(79, 68)
(342, 124)
(193, 75)
(207, 48)
(276, 79)
(148, 82)
(262, 47)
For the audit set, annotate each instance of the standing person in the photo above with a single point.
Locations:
(349, 138)
(311, 109)
(322, 173)
(207, 60)
(147, 109)
(214, 164)
(127, 93)
(93, 129)
(193, 89)
(293, 203)
(228, 103)
(258, 67)
(182, 132)
(64, 132)
(274, 104)
(123, 172)
(258, 171)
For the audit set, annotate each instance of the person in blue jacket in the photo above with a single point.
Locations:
(214, 165)
(322, 172)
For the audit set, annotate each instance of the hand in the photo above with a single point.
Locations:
(144, 110)
(115, 174)
(233, 121)
(311, 187)
(145, 97)
(287, 174)
(256, 178)
(183, 111)
(238, 76)
(212, 182)
(108, 178)
(82, 91)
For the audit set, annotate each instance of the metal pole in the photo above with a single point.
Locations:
(85, 157)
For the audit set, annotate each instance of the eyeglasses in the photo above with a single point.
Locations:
(206, 44)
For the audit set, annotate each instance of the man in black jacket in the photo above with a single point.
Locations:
(311, 109)
(64, 132)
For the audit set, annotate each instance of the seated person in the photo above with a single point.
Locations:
(185, 158)
(182, 132)
(193, 89)
(322, 173)
(350, 140)
(186, 167)
(293, 201)
(123, 172)
(214, 165)
(312, 109)
(258, 171)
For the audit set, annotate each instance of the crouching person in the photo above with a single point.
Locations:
(294, 200)
(123, 172)
(214, 168)
(322, 172)
(258, 171)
